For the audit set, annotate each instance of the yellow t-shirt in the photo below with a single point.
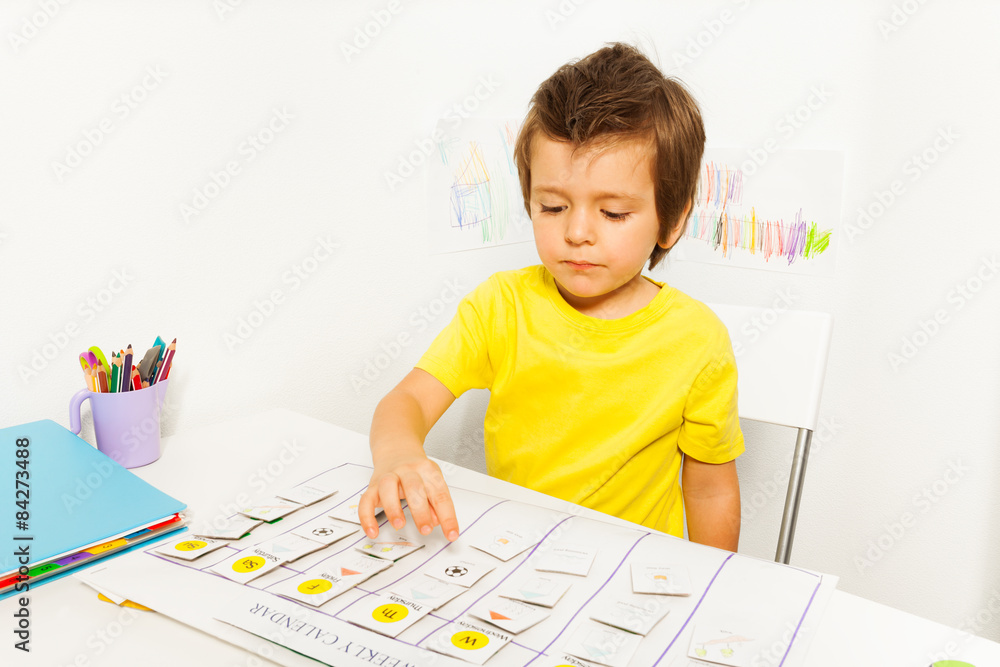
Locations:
(593, 411)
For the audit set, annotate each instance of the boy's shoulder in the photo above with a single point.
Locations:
(507, 284)
(529, 277)
(693, 308)
(695, 317)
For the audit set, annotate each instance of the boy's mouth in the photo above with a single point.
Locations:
(580, 265)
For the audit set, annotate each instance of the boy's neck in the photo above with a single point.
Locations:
(622, 302)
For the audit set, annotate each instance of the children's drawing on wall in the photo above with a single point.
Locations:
(475, 197)
(779, 214)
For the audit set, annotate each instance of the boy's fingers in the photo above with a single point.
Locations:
(416, 500)
(388, 491)
(444, 509)
(366, 511)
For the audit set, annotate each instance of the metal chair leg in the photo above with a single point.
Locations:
(796, 478)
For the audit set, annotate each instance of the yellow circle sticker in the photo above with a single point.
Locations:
(191, 545)
(315, 586)
(390, 613)
(469, 640)
(248, 564)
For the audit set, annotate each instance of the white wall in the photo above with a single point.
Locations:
(891, 432)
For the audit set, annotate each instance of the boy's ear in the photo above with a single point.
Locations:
(675, 235)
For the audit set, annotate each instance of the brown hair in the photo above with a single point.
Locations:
(617, 94)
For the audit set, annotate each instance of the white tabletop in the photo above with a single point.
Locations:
(70, 626)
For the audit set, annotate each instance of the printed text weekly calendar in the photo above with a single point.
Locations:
(523, 585)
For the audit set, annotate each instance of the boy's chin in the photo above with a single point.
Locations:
(581, 287)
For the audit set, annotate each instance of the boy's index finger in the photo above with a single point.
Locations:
(366, 511)
(416, 499)
(443, 506)
(388, 490)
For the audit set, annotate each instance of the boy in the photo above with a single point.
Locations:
(601, 380)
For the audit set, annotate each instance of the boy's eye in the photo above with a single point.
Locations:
(551, 209)
(610, 215)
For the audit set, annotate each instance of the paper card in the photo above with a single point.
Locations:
(325, 530)
(189, 547)
(428, 591)
(503, 543)
(356, 567)
(723, 647)
(247, 565)
(388, 547)
(232, 528)
(509, 615)
(385, 614)
(469, 641)
(635, 613)
(660, 579)
(290, 547)
(571, 559)
(461, 571)
(538, 589)
(270, 509)
(308, 493)
(314, 589)
(563, 661)
(601, 644)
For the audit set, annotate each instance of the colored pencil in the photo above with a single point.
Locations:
(136, 382)
(116, 372)
(102, 377)
(89, 377)
(167, 359)
(127, 374)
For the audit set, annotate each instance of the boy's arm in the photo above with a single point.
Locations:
(712, 503)
(402, 470)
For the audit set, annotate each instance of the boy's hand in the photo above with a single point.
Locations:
(419, 480)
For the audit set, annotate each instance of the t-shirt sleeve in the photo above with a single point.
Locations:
(460, 355)
(711, 429)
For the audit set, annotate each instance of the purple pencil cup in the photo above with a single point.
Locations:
(126, 424)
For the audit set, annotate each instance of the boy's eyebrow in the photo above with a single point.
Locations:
(604, 195)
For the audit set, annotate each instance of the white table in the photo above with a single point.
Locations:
(70, 626)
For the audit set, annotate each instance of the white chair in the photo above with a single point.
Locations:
(781, 361)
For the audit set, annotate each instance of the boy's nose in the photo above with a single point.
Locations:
(580, 228)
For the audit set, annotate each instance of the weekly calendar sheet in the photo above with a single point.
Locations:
(523, 585)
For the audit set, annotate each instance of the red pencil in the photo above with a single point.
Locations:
(167, 358)
(136, 382)
(102, 378)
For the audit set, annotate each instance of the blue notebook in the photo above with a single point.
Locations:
(72, 498)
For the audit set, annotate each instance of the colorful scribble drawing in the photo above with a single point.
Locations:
(482, 186)
(719, 220)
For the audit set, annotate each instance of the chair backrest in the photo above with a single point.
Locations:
(781, 361)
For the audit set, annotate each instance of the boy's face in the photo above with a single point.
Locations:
(594, 219)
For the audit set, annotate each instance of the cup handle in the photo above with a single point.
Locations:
(75, 404)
